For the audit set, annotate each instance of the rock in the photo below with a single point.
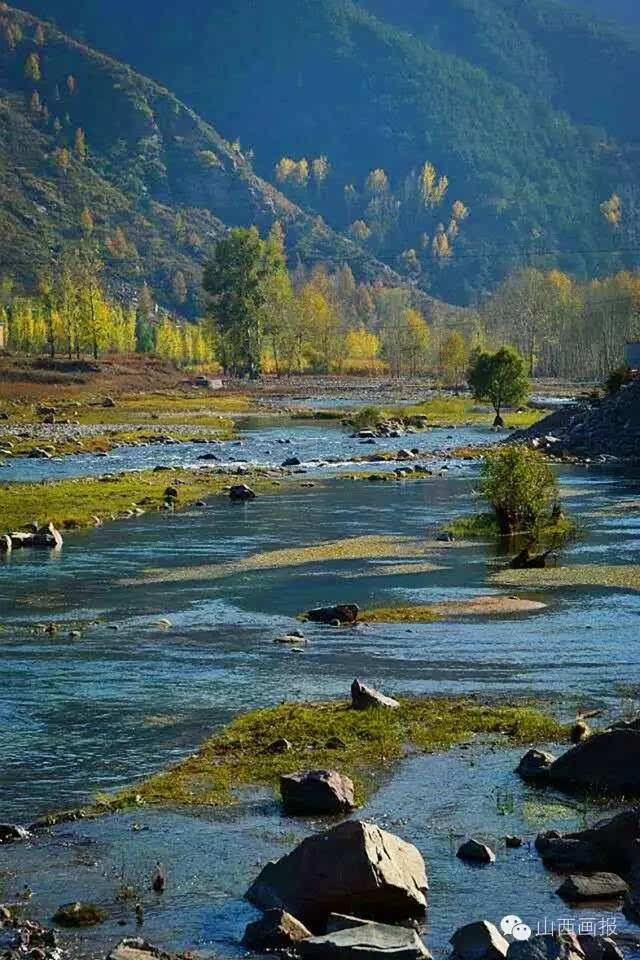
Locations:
(610, 845)
(599, 948)
(48, 536)
(5, 544)
(555, 946)
(291, 462)
(79, 915)
(608, 762)
(207, 456)
(290, 638)
(356, 868)
(342, 612)
(364, 698)
(476, 852)
(479, 941)
(135, 948)
(596, 886)
(513, 842)
(241, 492)
(535, 765)
(108, 402)
(317, 792)
(281, 745)
(276, 930)
(366, 941)
(11, 831)
(405, 455)
(171, 493)
(579, 731)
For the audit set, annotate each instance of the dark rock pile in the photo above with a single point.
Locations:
(607, 427)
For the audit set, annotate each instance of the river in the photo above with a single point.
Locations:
(129, 695)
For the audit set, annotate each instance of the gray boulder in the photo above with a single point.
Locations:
(596, 886)
(476, 852)
(343, 612)
(79, 915)
(47, 536)
(608, 762)
(276, 930)
(364, 698)
(610, 845)
(599, 948)
(535, 765)
(317, 792)
(355, 868)
(5, 544)
(135, 948)
(366, 941)
(11, 831)
(240, 491)
(479, 941)
(547, 946)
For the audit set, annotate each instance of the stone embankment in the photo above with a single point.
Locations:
(608, 427)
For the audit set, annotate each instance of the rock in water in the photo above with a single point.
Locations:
(354, 868)
(317, 792)
(135, 948)
(366, 942)
(241, 492)
(79, 915)
(610, 845)
(5, 544)
(535, 765)
(547, 946)
(11, 831)
(477, 852)
(597, 886)
(47, 536)
(608, 761)
(479, 941)
(363, 698)
(277, 930)
(342, 612)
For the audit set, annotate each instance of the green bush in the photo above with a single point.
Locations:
(368, 418)
(520, 486)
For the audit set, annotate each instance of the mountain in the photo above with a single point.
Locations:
(525, 105)
(622, 11)
(85, 139)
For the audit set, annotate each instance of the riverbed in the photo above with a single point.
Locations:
(131, 693)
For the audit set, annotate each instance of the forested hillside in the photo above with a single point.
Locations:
(89, 146)
(519, 114)
(623, 11)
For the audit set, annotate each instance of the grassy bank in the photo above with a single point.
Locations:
(454, 411)
(77, 502)
(239, 755)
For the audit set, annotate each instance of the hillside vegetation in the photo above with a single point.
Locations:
(525, 108)
(86, 141)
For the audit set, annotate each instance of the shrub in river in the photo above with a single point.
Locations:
(368, 418)
(520, 486)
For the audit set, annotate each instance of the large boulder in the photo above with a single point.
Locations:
(355, 868)
(317, 792)
(47, 536)
(240, 492)
(79, 915)
(342, 612)
(595, 886)
(366, 941)
(276, 930)
(11, 831)
(535, 765)
(476, 852)
(547, 946)
(135, 948)
(479, 941)
(610, 845)
(607, 762)
(364, 698)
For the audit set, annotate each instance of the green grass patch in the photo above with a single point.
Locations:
(452, 411)
(622, 576)
(399, 615)
(238, 756)
(76, 502)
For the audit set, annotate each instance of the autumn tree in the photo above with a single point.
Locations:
(452, 358)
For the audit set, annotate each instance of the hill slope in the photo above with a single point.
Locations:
(496, 93)
(79, 131)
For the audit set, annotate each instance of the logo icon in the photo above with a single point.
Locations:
(513, 926)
